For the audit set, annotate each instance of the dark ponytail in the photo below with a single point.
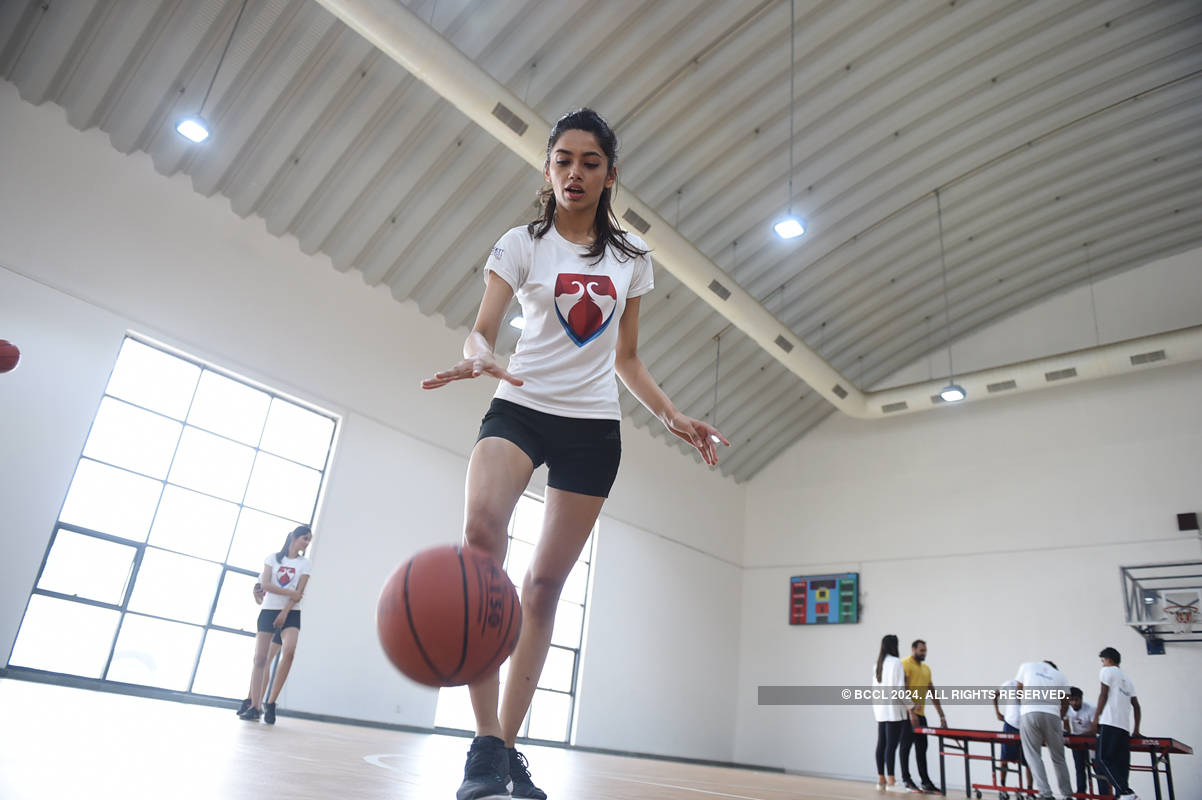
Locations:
(888, 648)
(297, 532)
(609, 233)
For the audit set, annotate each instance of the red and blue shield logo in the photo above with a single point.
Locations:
(585, 305)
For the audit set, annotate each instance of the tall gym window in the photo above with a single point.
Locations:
(189, 477)
(551, 712)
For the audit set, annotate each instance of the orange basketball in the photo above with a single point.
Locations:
(9, 355)
(448, 616)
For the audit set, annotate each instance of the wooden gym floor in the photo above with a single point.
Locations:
(58, 742)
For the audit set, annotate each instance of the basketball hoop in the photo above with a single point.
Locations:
(1181, 617)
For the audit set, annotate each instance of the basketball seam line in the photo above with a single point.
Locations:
(504, 640)
(466, 613)
(413, 629)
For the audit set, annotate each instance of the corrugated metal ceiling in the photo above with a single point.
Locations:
(1065, 138)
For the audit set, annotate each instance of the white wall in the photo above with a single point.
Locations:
(994, 531)
(93, 244)
(664, 598)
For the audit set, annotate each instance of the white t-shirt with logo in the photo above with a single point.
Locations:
(1011, 710)
(285, 574)
(572, 308)
(1043, 676)
(1118, 698)
(1080, 719)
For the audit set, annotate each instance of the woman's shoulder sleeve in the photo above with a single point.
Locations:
(643, 279)
(510, 257)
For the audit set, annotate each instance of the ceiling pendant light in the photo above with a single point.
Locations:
(717, 361)
(953, 392)
(193, 127)
(790, 227)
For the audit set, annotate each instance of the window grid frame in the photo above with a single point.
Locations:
(141, 546)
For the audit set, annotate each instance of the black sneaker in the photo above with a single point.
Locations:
(242, 708)
(250, 715)
(269, 713)
(911, 787)
(519, 776)
(486, 773)
(929, 787)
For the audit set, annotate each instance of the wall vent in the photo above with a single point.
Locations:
(719, 289)
(638, 223)
(889, 408)
(784, 344)
(1148, 358)
(1001, 386)
(1060, 374)
(511, 120)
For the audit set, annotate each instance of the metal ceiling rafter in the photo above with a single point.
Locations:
(420, 49)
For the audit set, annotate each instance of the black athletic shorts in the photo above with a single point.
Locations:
(581, 455)
(267, 622)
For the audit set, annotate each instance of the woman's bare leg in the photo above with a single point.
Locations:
(496, 477)
(272, 652)
(289, 635)
(258, 672)
(567, 522)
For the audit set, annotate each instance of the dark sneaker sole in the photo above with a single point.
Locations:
(493, 794)
(541, 795)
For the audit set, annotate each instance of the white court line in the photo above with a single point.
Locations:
(377, 760)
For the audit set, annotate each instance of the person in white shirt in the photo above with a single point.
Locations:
(1116, 701)
(1011, 719)
(285, 576)
(890, 712)
(1041, 723)
(1078, 720)
(578, 278)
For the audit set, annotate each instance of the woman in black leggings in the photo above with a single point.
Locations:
(890, 709)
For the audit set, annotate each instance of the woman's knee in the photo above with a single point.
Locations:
(484, 531)
(540, 593)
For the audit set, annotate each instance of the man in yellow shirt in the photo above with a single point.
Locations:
(918, 682)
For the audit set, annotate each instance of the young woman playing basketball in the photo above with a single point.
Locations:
(285, 576)
(579, 278)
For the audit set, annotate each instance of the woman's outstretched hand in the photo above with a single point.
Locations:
(483, 364)
(699, 434)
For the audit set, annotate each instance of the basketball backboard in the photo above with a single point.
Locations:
(1164, 601)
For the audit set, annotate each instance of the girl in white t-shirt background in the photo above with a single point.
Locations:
(890, 713)
(285, 576)
(578, 277)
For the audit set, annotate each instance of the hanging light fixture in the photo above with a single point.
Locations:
(953, 392)
(717, 361)
(790, 227)
(194, 127)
